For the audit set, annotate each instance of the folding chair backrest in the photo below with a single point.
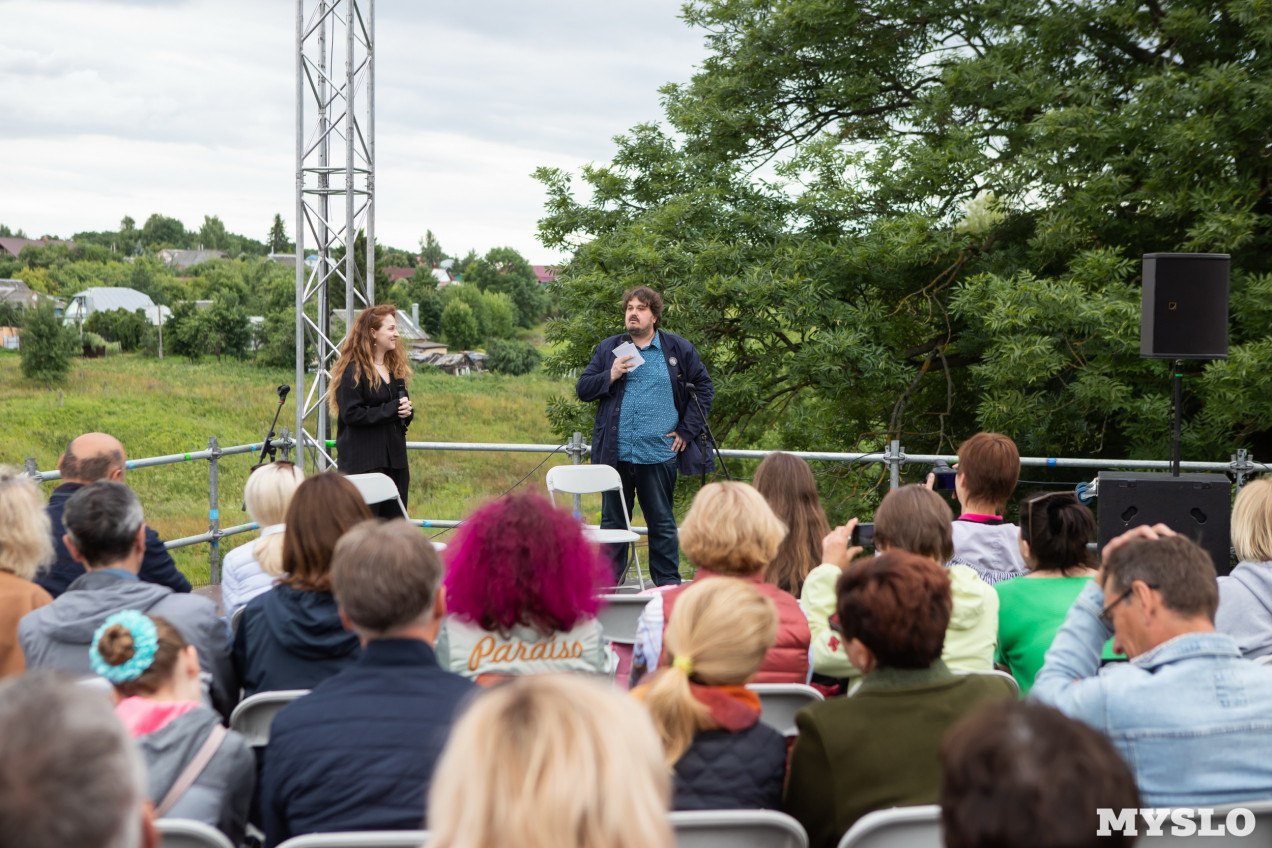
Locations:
(583, 479)
(253, 716)
(898, 827)
(780, 701)
(619, 616)
(737, 829)
(186, 833)
(235, 619)
(362, 839)
(374, 487)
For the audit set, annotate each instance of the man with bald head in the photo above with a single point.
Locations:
(89, 458)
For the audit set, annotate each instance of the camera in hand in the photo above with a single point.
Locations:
(944, 476)
(863, 535)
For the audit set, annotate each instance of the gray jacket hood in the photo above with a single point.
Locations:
(1245, 608)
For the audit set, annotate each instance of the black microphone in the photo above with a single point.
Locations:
(691, 388)
(282, 392)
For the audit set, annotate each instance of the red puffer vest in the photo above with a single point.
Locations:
(787, 660)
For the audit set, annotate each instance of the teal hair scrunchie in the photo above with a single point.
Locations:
(145, 644)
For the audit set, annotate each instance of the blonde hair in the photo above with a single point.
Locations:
(731, 530)
(1252, 522)
(26, 536)
(266, 496)
(551, 761)
(720, 629)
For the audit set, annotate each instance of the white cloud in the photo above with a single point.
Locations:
(188, 109)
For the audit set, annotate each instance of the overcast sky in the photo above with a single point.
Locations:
(187, 108)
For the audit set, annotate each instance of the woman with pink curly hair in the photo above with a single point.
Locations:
(521, 594)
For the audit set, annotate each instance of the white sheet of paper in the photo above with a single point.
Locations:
(629, 349)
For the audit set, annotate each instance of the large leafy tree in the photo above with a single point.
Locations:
(883, 219)
(506, 271)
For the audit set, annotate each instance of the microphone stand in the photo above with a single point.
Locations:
(708, 438)
(268, 448)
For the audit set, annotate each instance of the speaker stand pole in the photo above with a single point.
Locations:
(1177, 401)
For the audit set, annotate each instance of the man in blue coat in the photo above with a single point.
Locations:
(648, 425)
(89, 458)
(357, 753)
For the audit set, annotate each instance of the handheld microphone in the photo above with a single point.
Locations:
(282, 392)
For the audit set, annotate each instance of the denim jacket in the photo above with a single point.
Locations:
(1190, 716)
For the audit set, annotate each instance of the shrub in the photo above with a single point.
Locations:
(47, 346)
(512, 357)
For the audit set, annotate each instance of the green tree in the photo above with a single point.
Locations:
(130, 329)
(212, 234)
(505, 270)
(160, 232)
(277, 239)
(460, 327)
(879, 221)
(431, 252)
(46, 346)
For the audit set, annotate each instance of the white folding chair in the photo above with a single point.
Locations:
(898, 827)
(235, 619)
(377, 488)
(780, 701)
(737, 829)
(591, 480)
(253, 716)
(1015, 687)
(363, 839)
(187, 833)
(619, 616)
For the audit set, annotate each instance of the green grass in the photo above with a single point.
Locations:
(158, 407)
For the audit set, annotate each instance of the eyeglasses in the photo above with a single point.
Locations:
(1106, 614)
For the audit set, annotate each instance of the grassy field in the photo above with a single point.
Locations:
(157, 407)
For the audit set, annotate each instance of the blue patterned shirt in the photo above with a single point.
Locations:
(649, 412)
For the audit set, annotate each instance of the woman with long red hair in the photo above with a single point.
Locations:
(370, 403)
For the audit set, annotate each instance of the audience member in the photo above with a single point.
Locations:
(1054, 531)
(196, 769)
(917, 521)
(1187, 712)
(551, 761)
(787, 483)
(722, 755)
(89, 458)
(253, 569)
(291, 637)
(878, 747)
(106, 531)
(1018, 774)
(988, 470)
(24, 548)
(358, 752)
(730, 531)
(522, 594)
(1245, 595)
(69, 775)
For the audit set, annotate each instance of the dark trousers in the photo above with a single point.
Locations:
(654, 486)
(401, 477)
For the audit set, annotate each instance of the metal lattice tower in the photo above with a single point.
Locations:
(335, 159)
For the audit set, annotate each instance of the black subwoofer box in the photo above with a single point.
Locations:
(1198, 506)
(1185, 306)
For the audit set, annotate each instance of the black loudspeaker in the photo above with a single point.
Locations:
(1198, 506)
(1185, 306)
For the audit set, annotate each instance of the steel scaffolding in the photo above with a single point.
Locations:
(335, 115)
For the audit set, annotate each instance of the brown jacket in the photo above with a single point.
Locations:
(17, 598)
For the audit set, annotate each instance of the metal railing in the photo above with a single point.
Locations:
(1240, 466)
